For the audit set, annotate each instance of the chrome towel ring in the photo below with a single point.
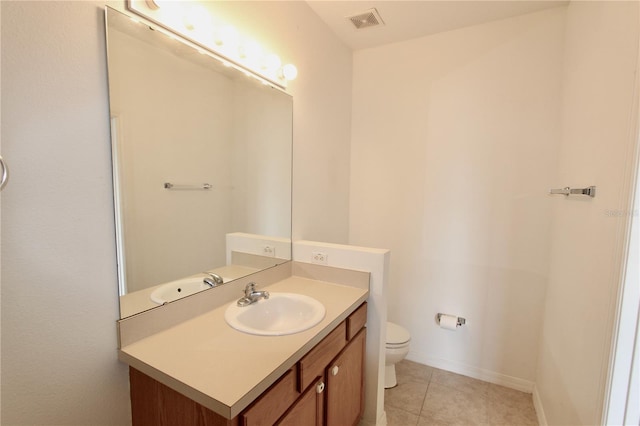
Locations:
(5, 174)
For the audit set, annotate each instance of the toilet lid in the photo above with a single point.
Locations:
(397, 334)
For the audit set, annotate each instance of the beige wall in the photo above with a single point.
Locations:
(59, 303)
(454, 145)
(59, 288)
(598, 89)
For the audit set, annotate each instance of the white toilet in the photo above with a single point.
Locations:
(397, 347)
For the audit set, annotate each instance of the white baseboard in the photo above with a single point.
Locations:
(537, 404)
(382, 421)
(516, 383)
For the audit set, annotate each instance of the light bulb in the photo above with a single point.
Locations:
(289, 72)
(250, 50)
(188, 23)
(272, 62)
(227, 35)
(197, 17)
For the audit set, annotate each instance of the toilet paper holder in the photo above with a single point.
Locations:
(461, 321)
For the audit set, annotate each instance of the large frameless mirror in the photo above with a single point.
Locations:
(201, 163)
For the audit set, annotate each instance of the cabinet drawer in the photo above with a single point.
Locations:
(356, 321)
(273, 402)
(314, 363)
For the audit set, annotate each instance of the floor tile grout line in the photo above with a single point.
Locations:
(424, 399)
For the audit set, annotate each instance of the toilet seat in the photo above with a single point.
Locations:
(398, 346)
(397, 336)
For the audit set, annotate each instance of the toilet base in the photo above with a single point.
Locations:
(390, 380)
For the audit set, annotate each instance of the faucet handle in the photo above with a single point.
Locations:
(250, 288)
(217, 279)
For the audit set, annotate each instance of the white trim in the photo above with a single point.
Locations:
(512, 382)
(625, 333)
(382, 420)
(537, 404)
(632, 411)
(621, 354)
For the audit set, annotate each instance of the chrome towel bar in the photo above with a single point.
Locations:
(205, 186)
(590, 191)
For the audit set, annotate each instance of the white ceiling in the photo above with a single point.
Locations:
(405, 20)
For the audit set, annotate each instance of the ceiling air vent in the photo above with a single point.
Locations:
(370, 18)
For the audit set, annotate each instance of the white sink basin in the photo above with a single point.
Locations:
(280, 314)
(178, 289)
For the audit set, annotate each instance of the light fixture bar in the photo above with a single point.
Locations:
(247, 57)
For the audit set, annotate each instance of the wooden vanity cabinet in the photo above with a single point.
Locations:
(340, 389)
(154, 404)
(337, 397)
(325, 388)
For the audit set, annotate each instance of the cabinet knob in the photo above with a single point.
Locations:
(334, 370)
(320, 387)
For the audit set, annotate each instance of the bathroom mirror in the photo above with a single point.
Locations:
(201, 166)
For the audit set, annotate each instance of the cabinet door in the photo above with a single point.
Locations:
(308, 410)
(273, 403)
(345, 385)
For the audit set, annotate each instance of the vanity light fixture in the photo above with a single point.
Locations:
(289, 72)
(194, 23)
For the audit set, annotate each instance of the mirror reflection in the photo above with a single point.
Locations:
(202, 167)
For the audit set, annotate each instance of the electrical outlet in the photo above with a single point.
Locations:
(269, 251)
(319, 257)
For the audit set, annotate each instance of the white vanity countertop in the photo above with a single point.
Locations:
(224, 369)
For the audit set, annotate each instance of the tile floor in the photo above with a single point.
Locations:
(426, 396)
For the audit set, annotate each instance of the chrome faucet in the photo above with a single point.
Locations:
(251, 295)
(213, 280)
